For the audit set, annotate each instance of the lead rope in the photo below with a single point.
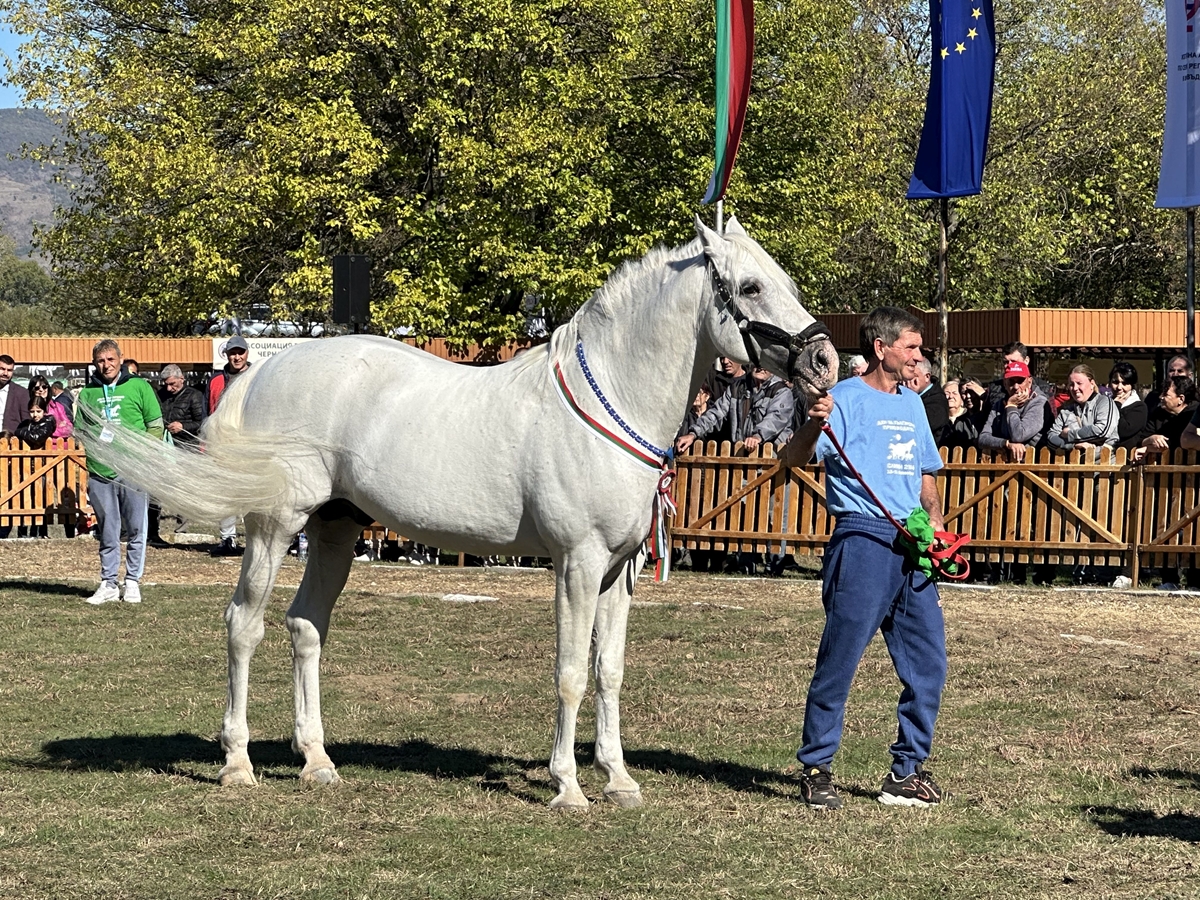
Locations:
(941, 559)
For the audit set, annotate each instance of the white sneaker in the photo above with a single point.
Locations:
(106, 593)
(133, 592)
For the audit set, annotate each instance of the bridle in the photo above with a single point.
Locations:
(765, 332)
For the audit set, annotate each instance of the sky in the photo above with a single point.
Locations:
(8, 45)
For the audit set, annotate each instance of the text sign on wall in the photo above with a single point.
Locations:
(260, 348)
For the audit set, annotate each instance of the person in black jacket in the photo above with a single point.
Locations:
(183, 407)
(937, 410)
(1133, 411)
(40, 425)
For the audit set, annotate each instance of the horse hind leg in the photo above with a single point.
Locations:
(612, 616)
(330, 555)
(266, 546)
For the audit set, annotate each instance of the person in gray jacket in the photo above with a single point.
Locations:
(1023, 420)
(758, 407)
(1089, 419)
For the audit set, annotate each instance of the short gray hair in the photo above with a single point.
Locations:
(106, 344)
(170, 371)
(886, 323)
(925, 366)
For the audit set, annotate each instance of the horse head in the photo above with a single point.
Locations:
(756, 316)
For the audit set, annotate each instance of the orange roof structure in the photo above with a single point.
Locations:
(1040, 329)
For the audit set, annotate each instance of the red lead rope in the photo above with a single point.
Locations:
(948, 554)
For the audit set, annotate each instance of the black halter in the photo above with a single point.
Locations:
(765, 331)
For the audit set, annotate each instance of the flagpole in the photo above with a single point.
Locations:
(943, 342)
(1191, 287)
(720, 217)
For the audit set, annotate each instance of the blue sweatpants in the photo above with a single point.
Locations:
(117, 504)
(870, 586)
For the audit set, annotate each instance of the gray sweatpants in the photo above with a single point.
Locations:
(117, 504)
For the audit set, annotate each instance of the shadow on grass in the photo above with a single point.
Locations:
(1190, 779)
(1124, 822)
(735, 776)
(56, 588)
(176, 754)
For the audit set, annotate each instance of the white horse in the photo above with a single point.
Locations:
(502, 460)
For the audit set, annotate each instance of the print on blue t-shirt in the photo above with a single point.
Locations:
(887, 437)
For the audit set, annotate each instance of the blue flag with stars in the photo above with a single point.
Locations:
(958, 111)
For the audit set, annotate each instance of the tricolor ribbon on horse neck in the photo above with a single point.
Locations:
(664, 498)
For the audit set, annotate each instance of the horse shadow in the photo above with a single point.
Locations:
(1121, 821)
(178, 754)
(525, 778)
(56, 588)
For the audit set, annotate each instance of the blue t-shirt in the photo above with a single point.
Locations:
(887, 437)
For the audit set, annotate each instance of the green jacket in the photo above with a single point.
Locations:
(130, 400)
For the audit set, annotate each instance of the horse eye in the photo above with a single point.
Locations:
(751, 289)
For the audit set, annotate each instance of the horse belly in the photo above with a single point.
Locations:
(458, 490)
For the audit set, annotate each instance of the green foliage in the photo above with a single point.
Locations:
(508, 153)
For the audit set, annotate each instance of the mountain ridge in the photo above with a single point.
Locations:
(28, 192)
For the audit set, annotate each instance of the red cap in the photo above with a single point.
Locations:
(1014, 368)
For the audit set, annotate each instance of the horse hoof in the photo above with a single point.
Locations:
(625, 799)
(570, 803)
(324, 775)
(236, 776)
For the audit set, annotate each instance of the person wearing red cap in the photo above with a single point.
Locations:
(1022, 422)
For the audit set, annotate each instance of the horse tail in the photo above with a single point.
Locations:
(229, 473)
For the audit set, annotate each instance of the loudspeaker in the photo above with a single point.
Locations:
(351, 290)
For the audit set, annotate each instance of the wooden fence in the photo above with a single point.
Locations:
(1079, 508)
(1055, 509)
(42, 487)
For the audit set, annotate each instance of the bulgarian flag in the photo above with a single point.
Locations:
(735, 60)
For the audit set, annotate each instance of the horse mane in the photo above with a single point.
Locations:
(617, 291)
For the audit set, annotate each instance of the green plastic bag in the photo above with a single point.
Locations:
(921, 529)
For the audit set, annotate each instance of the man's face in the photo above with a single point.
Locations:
(108, 365)
(238, 359)
(1016, 385)
(900, 359)
(6, 371)
(174, 384)
(730, 367)
(762, 376)
(1015, 356)
(920, 380)
(1178, 366)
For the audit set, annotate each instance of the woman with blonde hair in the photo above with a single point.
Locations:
(1088, 419)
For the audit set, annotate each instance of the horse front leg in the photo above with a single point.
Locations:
(330, 555)
(612, 616)
(266, 546)
(576, 590)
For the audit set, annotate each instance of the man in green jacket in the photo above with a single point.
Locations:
(114, 396)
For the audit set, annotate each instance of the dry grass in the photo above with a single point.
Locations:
(1074, 764)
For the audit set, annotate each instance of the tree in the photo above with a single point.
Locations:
(487, 156)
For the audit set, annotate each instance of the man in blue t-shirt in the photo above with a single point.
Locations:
(869, 584)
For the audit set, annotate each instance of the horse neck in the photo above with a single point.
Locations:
(646, 351)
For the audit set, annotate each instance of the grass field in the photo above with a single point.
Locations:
(1068, 738)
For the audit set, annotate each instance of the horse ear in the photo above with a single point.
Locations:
(714, 245)
(733, 226)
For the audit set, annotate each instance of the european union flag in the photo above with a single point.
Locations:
(958, 112)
